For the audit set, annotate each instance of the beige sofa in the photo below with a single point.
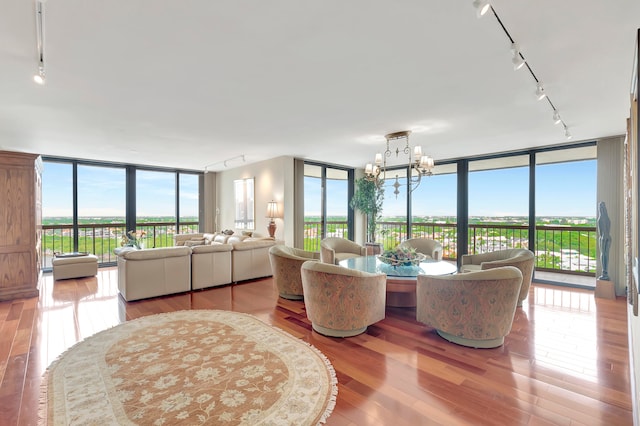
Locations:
(153, 272)
(210, 265)
(249, 255)
(250, 259)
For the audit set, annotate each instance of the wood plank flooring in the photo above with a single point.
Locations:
(565, 361)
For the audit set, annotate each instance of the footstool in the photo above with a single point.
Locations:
(74, 266)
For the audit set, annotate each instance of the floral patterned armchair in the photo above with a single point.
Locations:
(522, 259)
(474, 309)
(285, 264)
(342, 302)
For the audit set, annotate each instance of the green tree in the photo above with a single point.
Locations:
(368, 198)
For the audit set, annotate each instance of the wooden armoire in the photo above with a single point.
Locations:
(20, 224)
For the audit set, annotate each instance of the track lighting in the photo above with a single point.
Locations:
(517, 59)
(540, 91)
(39, 78)
(481, 6)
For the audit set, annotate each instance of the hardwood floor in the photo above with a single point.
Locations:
(565, 361)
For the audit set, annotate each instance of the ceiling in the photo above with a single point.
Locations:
(189, 84)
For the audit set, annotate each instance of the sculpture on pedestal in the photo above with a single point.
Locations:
(604, 239)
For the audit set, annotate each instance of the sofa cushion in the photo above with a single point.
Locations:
(195, 242)
(250, 245)
(212, 248)
(220, 238)
(157, 253)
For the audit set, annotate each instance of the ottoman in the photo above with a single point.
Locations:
(74, 266)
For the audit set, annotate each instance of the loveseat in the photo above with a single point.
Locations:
(153, 272)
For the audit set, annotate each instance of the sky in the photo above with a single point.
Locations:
(101, 192)
(564, 189)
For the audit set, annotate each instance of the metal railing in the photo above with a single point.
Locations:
(313, 233)
(102, 238)
(564, 249)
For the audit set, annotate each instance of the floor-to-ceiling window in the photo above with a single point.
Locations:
(85, 206)
(566, 210)
(155, 207)
(101, 203)
(57, 210)
(498, 202)
(188, 201)
(327, 193)
(434, 208)
(393, 226)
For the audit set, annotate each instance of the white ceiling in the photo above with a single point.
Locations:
(191, 83)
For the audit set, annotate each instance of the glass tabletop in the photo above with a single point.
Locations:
(373, 265)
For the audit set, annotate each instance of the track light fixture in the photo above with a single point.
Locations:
(567, 134)
(540, 93)
(482, 7)
(39, 78)
(517, 59)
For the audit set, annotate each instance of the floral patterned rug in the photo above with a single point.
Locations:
(190, 367)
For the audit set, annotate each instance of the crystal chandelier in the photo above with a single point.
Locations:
(422, 164)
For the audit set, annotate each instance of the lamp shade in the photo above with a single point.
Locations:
(272, 209)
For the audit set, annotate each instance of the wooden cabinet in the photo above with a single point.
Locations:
(20, 224)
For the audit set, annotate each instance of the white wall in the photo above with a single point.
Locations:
(273, 180)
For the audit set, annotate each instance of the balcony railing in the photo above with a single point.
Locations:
(566, 249)
(102, 238)
(313, 233)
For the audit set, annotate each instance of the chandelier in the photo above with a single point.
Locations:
(421, 164)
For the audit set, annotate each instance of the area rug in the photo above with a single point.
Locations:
(190, 367)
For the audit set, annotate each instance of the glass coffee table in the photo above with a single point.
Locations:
(401, 280)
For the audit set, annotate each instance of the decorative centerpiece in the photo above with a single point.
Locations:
(402, 256)
(133, 239)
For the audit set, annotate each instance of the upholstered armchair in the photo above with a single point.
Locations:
(430, 248)
(522, 259)
(335, 249)
(285, 264)
(342, 302)
(474, 309)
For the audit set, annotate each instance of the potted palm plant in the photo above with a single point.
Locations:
(368, 198)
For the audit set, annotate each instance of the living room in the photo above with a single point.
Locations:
(233, 146)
